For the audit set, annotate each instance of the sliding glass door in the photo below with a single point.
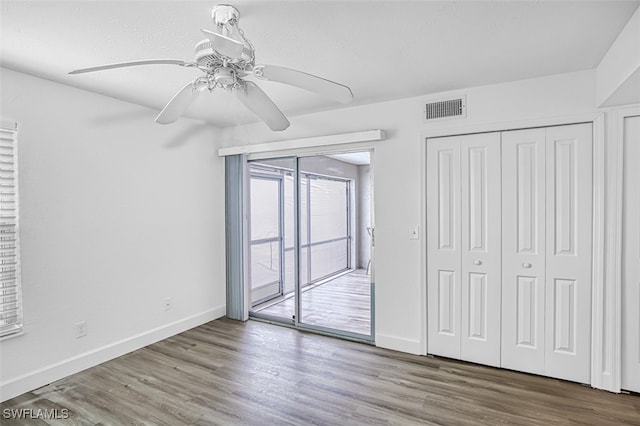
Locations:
(309, 259)
(271, 245)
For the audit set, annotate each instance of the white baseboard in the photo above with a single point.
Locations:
(411, 346)
(59, 370)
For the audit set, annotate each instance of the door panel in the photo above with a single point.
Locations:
(270, 256)
(568, 252)
(338, 297)
(481, 248)
(527, 189)
(527, 297)
(266, 243)
(443, 246)
(631, 257)
(523, 240)
(447, 311)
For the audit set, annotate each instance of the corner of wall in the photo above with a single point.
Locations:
(618, 74)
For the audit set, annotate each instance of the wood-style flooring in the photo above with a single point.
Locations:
(343, 303)
(232, 373)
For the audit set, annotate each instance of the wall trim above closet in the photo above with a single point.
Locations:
(605, 350)
(511, 125)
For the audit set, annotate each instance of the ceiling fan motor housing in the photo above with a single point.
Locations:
(205, 55)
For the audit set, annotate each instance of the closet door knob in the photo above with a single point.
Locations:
(526, 265)
(477, 262)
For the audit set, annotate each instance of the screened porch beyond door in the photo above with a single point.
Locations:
(310, 232)
(341, 303)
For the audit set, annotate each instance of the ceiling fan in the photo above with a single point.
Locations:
(226, 57)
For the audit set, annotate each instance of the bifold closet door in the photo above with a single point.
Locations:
(547, 229)
(569, 252)
(523, 250)
(631, 257)
(463, 215)
(481, 248)
(443, 246)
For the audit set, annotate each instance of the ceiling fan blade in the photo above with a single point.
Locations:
(179, 103)
(305, 81)
(224, 45)
(133, 64)
(257, 101)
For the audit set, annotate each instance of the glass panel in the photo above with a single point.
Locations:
(336, 298)
(272, 238)
(304, 266)
(289, 212)
(265, 264)
(289, 271)
(328, 258)
(265, 252)
(328, 209)
(265, 208)
(304, 210)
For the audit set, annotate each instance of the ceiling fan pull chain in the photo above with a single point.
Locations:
(246, 41)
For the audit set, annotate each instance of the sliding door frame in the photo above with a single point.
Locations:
(295, 322)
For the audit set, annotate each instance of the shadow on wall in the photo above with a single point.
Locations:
(123, 116)
(183, 137)
(179, 134)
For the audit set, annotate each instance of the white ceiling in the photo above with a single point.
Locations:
(357, 158)
(382, 50)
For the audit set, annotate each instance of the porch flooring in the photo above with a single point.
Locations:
(343, 303)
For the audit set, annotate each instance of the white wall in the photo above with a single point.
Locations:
(398, 187)
(117, 213)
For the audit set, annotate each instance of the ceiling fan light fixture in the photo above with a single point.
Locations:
(227, 57)
(224, 76)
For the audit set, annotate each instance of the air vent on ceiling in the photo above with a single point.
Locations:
(446, 108)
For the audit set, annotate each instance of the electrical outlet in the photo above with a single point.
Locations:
(81, 329)
(167, 304)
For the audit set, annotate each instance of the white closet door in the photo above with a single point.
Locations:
(523, 250)
(481, 248)
(631, 257)
(443, 246)
(568, 252)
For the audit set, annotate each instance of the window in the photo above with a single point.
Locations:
(10, 291)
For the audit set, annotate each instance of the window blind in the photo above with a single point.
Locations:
(10, 291)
